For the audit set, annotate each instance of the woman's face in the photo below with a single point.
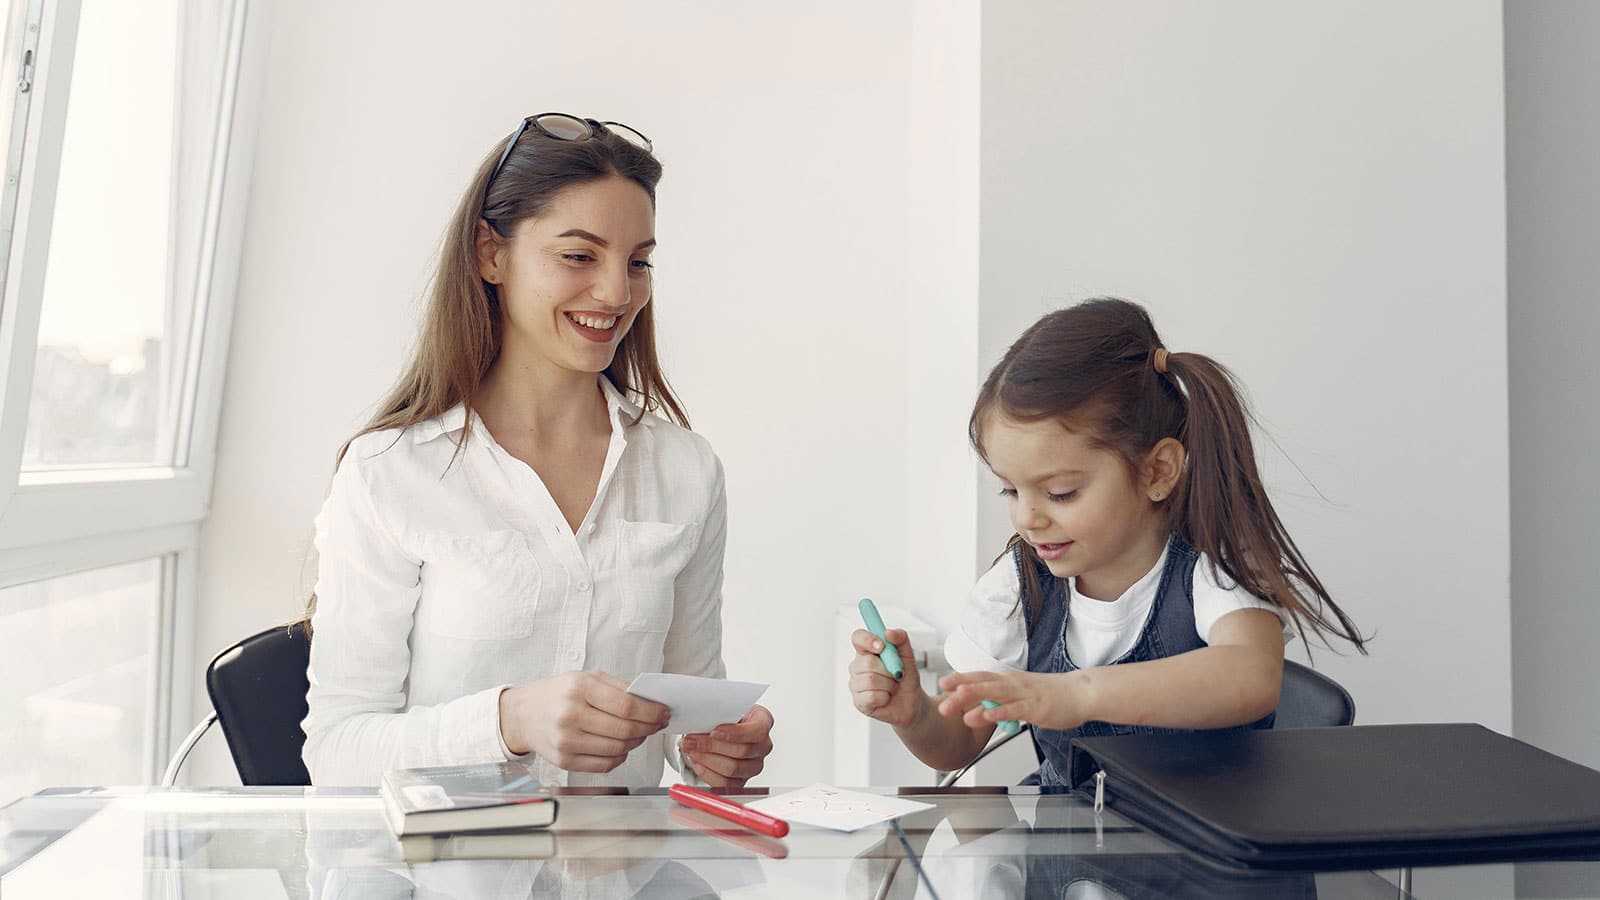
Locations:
(572, 281)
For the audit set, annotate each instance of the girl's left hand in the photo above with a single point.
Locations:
(731, 754)
(1050, 700)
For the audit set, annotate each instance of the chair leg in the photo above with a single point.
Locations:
(170, 776)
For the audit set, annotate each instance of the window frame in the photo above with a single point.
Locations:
(59, 521)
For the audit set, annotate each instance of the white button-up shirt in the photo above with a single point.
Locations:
(443, 581)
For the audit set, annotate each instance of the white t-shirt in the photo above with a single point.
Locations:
(444, 578)
(993, 634)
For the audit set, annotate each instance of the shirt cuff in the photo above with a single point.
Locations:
(500, 736)
(682, 766)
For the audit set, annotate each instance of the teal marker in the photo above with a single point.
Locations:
(1009, 726)
(889, 655)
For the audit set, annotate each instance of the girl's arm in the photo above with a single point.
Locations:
(942, 742)
(1233, 681)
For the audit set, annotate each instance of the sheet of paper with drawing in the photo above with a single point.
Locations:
(830, 807)
(697, 704)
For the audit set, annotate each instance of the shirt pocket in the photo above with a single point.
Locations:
(479, 586)
(652, 555)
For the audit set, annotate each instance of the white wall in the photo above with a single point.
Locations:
(1553, 195)
(781, 282)
(1313, 195)
(1553, 184)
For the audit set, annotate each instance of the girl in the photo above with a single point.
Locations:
(1150, 584)
(517, 534)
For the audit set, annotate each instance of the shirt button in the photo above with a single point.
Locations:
(583, 585)
(573, 656)
(590, 528)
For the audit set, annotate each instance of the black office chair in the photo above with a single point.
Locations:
(1308, 699)
(258, 694)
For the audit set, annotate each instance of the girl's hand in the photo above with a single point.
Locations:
(876, 693)
(731, 754)
(1049, 700)
(581, 721)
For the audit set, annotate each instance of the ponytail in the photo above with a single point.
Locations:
(1222, 509)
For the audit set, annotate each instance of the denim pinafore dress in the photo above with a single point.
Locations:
(1168, 630)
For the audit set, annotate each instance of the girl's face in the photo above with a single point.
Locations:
(1078, 505)
(572, 281)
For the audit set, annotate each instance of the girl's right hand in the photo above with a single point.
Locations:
(876, 693)
(580, 721)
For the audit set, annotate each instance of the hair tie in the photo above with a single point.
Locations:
(1160, 357)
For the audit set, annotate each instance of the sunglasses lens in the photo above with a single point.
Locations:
(629, 135)
(567, 128)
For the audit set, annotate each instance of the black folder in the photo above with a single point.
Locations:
(1356, 797)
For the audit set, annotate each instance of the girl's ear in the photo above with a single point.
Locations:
(490, 251)
(1163, 465)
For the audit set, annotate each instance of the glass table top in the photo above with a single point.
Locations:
(322, 843)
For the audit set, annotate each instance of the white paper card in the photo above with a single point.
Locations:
(697, 704)
(830, 807)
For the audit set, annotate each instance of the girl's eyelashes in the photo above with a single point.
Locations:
(577, 257)
(1054, 497)
(641, 265)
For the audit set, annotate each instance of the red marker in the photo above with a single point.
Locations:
(727, 809)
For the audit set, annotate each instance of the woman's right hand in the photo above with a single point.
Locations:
(580, 721)
(876, 693)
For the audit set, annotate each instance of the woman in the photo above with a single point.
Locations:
(516, 534)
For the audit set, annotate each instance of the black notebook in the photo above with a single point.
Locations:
(1356, 797)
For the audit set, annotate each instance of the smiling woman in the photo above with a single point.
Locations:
(518, 533)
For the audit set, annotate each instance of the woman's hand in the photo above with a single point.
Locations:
(731, 754)
(1051, 700)
(876, 693)
(580, 721)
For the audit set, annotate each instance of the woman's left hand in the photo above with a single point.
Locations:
(1049, 699)
(731, 754)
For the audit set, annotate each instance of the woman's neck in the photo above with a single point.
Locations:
(518, 402)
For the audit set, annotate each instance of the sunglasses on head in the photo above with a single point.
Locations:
(563, 127)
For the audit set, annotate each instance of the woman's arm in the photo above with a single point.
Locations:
(733, 753)
(367, 593)
(1233, 681)
(694, 640)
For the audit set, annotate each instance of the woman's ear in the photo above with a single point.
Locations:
(490, 250)
(1163, 466)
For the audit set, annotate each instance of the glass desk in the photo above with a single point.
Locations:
(243, 843)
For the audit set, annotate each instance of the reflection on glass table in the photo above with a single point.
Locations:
(321, 843)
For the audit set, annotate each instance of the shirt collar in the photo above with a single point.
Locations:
(623, 412)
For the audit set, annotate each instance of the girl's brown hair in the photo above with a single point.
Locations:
(1092, 367)
(461, 329)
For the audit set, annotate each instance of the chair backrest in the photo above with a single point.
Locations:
(1310, 699)
(258, 688)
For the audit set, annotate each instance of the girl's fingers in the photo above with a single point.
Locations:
(951, 683)
(865, 642)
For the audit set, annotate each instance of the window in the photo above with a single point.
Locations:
(80, 677)
(123, 200)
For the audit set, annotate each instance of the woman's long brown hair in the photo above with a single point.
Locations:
(1091, 367)
(461, 337)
